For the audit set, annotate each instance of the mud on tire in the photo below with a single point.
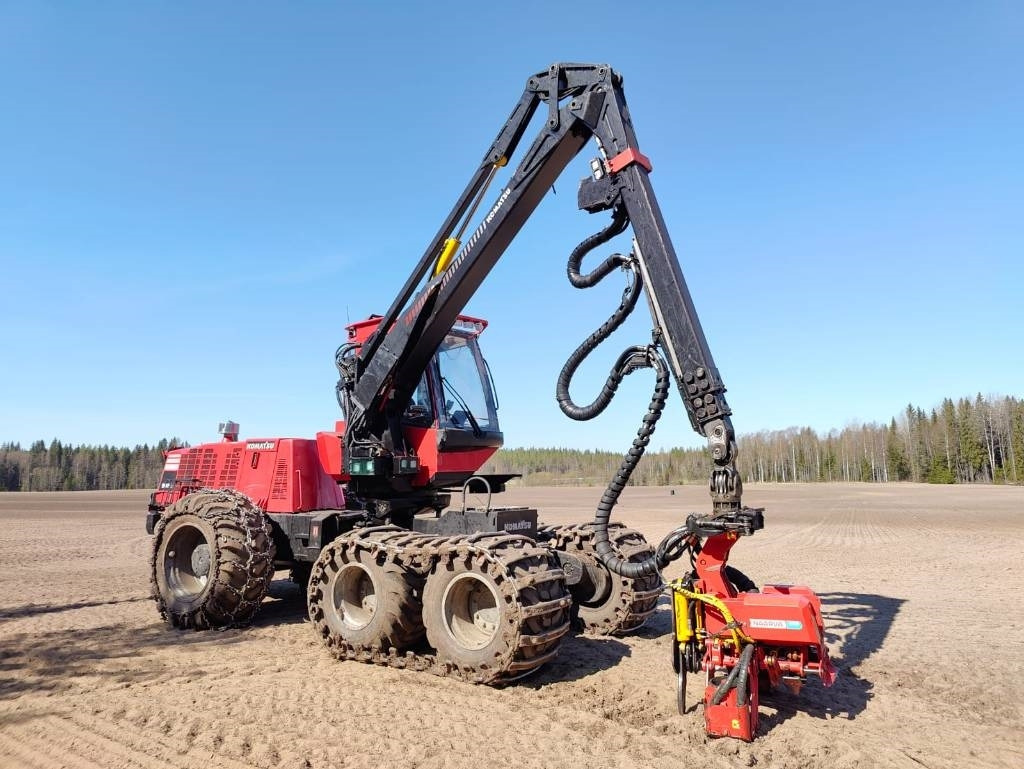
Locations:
(607, 603)
(492, 613)
(212, 561)
(364, 597)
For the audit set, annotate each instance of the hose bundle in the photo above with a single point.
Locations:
(632, 359)
(736, 679)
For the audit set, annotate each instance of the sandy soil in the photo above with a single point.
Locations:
(921, 587)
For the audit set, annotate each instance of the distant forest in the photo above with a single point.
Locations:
(967, 441)
(79, 468)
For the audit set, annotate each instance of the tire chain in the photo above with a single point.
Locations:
(417, 554)
(629, 544)
(253, 522)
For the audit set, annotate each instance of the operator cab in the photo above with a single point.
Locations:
(456, 396)
(462, 392)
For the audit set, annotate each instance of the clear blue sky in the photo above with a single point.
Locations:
(196, 197)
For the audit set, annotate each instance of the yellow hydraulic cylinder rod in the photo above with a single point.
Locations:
(452, 244)
(447, 252)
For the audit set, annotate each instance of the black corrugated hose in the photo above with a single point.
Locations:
(629, 299)
(602, 546)
(630, 360)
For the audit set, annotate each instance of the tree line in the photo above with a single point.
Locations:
(80, 468)
(975, 440)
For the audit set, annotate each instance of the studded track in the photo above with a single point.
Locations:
(621, 604)
(535, 605)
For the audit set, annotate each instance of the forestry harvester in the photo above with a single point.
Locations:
(363, 514)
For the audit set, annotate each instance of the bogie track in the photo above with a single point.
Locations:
(494, 605)
(608, 603)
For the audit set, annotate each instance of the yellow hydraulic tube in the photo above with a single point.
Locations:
(737, 634)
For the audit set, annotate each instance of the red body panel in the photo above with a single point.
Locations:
(331, 447)
(281, 475)
(433, 461)
(729, 718)
(773, 617)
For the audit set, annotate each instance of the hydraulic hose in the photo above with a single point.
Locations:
(727, 683)
(620, 219)
(742, 693)
(737, 678)
(630, 360)
(629, 299)
(602, 546)
(674, 546)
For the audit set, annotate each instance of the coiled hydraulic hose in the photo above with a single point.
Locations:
(630, 360)
(629, 299)
(602, 546)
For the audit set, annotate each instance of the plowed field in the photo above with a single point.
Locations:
(921, 587)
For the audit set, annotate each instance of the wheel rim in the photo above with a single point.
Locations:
(354, 597)
(681, 682)
(595, 586)
(470, 611)
(188, 562)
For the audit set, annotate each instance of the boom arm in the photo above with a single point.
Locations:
(583, 101)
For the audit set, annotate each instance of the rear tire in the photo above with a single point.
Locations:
(212, 561)
(471, 619)
(607, 603)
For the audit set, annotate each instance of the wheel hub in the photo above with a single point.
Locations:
(187, 562)
(354, 597)
(201, 559)
(470, 610)
(595, 585)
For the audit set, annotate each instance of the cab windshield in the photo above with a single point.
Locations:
(465, 389)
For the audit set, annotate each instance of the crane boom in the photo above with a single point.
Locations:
(584, 101)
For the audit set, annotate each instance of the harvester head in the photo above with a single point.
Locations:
(739, 636)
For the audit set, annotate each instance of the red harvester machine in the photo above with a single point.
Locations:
(396, 574)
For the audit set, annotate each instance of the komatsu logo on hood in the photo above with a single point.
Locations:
(260, 445)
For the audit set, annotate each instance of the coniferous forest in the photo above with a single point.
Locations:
(79, 468)
(967, 441)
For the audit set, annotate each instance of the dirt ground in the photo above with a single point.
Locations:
(921, 587)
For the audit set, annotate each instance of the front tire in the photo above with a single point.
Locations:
(212, 561)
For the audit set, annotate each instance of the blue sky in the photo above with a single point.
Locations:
(196, 197)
